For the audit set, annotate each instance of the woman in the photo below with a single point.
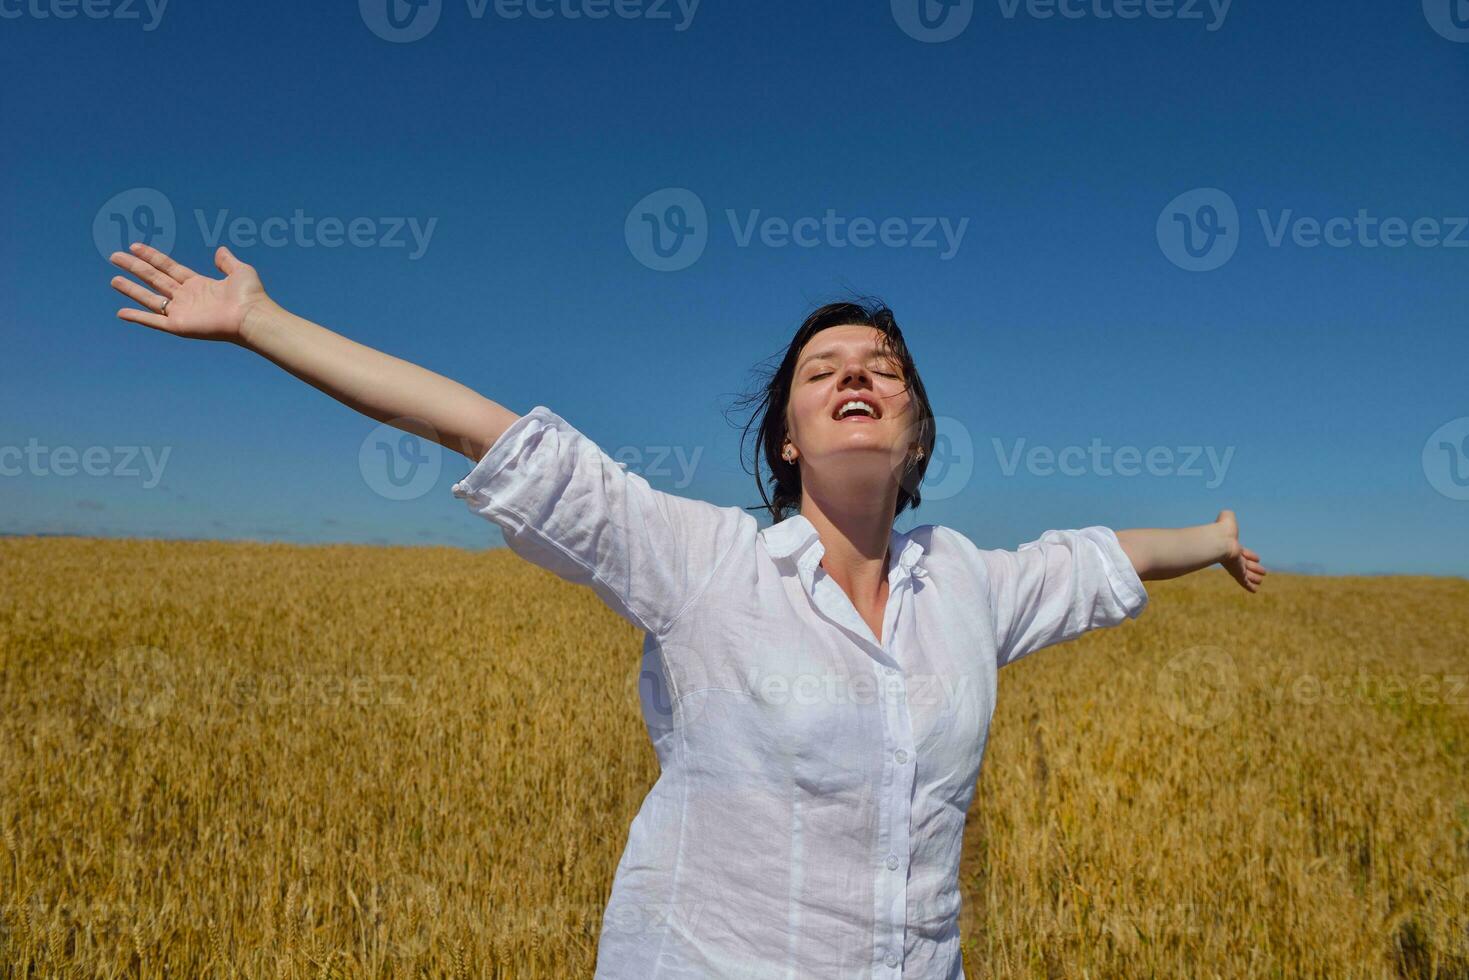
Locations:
(831, 680)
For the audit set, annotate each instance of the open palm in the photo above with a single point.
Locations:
(198, 307)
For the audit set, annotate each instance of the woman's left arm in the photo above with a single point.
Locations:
(1158, 553)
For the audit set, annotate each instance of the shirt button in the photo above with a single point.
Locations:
(892, 960)
(901, 756)
(892, 862)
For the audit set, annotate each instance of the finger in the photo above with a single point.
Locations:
(137, 293)
(1250, 554)
(155, 258)
(157, 278)
(146, 319)
(225, 261)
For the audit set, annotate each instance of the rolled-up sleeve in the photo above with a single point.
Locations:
(565, 505)
(1059, 586)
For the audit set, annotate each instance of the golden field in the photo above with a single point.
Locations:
(237, 759)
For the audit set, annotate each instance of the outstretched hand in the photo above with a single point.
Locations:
(1239, 561)
(198, 307)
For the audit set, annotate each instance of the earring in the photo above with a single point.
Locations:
(787, 456)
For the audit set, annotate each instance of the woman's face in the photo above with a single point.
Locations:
(836, 366)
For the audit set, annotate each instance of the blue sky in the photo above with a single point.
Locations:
(1097, 230)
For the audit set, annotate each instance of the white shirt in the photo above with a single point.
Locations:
(808, 816)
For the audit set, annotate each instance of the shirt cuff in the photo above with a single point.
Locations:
(1120, 572)
(488, 478)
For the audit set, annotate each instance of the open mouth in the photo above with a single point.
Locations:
(857, 410)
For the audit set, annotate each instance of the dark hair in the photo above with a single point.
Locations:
(773, 393)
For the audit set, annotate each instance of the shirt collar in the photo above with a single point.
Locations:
(796, 535)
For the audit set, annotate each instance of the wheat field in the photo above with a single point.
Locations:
(242, 759)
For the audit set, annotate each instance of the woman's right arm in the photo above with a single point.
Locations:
(237, 309)
(562, 502)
